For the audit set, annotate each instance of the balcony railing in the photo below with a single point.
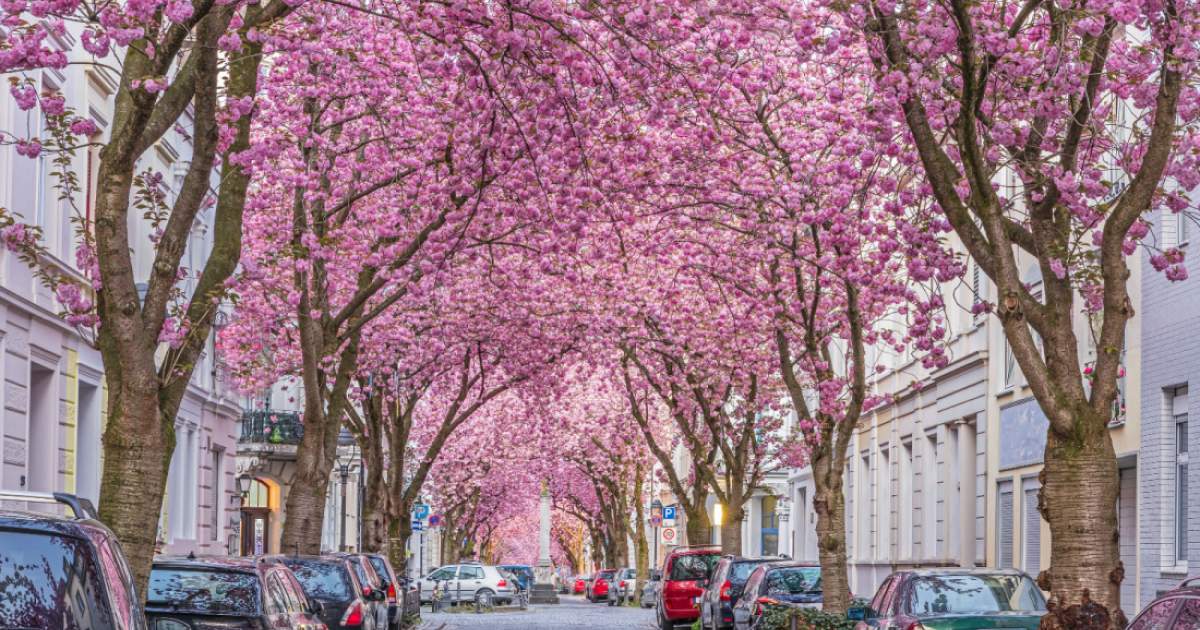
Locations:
(271, 427)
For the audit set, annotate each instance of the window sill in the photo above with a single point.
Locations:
(1179, 571)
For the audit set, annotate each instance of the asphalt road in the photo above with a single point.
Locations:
(573, 612)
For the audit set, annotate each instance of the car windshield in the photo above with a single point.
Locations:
(204, 590)
(628, 574)
(322, 580)
(49, 581)
(970, 594)
(607, 575)
(693, 567)
(794, 580)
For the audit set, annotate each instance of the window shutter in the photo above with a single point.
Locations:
(1033, 532)
(1004, 537)
(1169, 222)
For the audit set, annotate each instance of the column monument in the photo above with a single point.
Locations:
(543, 590)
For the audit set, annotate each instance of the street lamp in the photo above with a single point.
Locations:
(344, 470)
(243, 483)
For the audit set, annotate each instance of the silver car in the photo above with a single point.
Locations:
(651, 588)
(468, 582)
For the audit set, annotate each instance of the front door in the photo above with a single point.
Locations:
(256, 527)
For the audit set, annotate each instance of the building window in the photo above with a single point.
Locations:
(929, 489)
(1179, 409)
(770, 526)
(216, 504)
(1033, 530)
(905, 510)
(863, 508)
(1010, 365)
(883, 503)
(1004, 525)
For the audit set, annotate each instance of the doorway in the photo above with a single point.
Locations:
(256, 526)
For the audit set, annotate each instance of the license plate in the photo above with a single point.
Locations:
(695, 600)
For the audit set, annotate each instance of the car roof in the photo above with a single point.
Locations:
(50, 523)
(225, 563)
(964, 571)
(326, 559)
(696, 551)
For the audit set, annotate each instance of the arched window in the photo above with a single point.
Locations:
(770, 526)
(259, 495)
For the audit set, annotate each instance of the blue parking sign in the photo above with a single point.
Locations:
(668, 514)
(420, 511)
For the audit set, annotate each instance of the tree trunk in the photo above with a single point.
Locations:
(1084, 554)
(731, 531)
(641, 547)
(376, 508)
(829, 503)
(305, 512)
(134, 482)
(399, 532)
(699, 528)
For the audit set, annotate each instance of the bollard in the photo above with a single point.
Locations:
(795, 622)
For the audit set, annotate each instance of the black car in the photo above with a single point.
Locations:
(395, 587)
(1178, 609)
(59, 571)
(725, 587)
(365, 571)
(334, 581)
(777, 584)
(210, 592)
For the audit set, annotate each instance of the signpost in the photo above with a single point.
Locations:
(668, 535)
(668, 515)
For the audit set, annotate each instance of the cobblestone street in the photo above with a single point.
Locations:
(571, 614)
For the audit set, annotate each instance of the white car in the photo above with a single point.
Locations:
(468, 582)
(628, 582)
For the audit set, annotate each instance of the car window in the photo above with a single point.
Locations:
(972, 594)
(293, 587)
(38, 572)
(753, 583)
(740, 571)
(1189, 614)
(470, 573)
(793, 580)
(1157, 616)
(322, 580)
(373, 577)
(294, 601)
(380, 568)
(203, 590)
(605, 575)
(444, 573)
(693, 567)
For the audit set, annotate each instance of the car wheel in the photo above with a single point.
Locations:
(480, 594)
(665, 624)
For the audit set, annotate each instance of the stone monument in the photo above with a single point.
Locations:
(544, 591)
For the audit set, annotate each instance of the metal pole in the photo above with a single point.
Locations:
(362, 493)
(345, 475)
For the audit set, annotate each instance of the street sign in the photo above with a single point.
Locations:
(435, 520)
(668, 535)
(655, 521)
(420, 511)
(418, 526)
(668, 515)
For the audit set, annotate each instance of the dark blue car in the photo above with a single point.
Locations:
(523, 572)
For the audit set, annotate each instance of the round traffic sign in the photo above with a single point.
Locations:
(668, 534)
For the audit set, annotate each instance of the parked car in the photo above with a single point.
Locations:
(954, 599)
(48, 558)
(523, 572)
(686, 571)
(364, 569)
(468, 582)
(597, 587)
(650, 589)
(723, 590)
(346, 601)
(627, 582)
(777, 584)
(1175, 609)
(580, 585)
(392, 585)
(205, 592)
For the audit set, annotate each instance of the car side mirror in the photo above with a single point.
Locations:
(315, 607)
(702, 583)
(379, 595)
(858, 613)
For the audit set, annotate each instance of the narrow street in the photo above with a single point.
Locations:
(574, 612)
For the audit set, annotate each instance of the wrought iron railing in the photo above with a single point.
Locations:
(272, 427)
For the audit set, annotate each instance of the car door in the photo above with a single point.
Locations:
(714, 586)
(879, 616)
(303, 617)
(444, 576)
(743, 609)
(276, 604)
(470, 580)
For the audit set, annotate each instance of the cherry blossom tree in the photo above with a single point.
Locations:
(181, 64)
(1050, 136)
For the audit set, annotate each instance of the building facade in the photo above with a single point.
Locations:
(1169, 535)
(53, 380)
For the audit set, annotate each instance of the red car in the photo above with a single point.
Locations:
(686, 571)
(597, 589)
(580, 585)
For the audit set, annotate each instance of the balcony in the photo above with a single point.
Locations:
(271, 433)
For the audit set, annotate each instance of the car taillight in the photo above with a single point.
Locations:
(392, 592)
(354, 615)
(725, 591)
(622, 583)
(501, 584)
(763, 601)
(913, 625)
